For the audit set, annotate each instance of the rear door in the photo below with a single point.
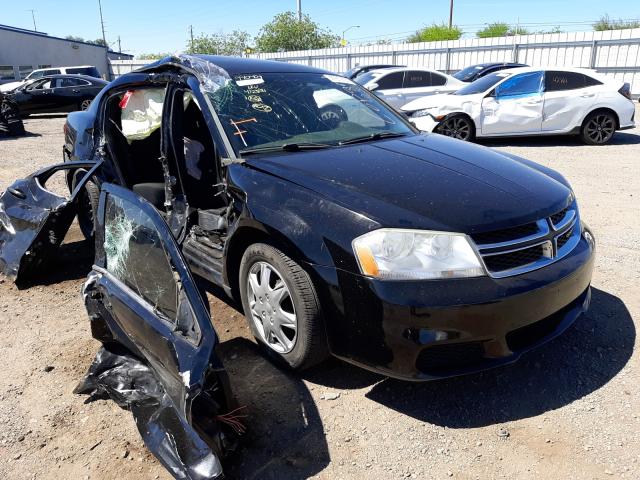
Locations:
(417, 83)
(514, 106)
(568, 96)
(390, 88)
(34, 219)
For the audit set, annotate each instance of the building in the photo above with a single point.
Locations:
(22, 51)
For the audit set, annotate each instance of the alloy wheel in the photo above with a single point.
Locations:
(456, 127)
(600, 128)
(272, 309)
(85, 105)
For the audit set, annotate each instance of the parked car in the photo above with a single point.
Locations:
(474, 72)
(88, 70)
(410, 254)
(359, 70)
(399, 86)
(530, 101)
(57, 93)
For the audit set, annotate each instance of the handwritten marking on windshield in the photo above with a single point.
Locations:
(240, 132)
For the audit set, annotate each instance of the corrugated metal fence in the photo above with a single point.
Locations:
(615, 53)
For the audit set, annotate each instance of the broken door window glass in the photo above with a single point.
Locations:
(135, 255)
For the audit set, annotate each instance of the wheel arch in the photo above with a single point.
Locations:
(601, 109)
(247, 235)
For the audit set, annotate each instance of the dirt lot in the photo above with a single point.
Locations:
(568, 410)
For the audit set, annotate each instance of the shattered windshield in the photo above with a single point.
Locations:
(276, 109)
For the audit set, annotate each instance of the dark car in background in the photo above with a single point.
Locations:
(359, 70)
(474, 72)
(57, 94)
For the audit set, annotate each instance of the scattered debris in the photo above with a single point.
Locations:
(331, 396)
(48, 368)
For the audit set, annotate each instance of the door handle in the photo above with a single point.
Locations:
(588, 95)
(75, 90)
(16, 193)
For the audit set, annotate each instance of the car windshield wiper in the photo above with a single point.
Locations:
(372, 136)
(287, 147)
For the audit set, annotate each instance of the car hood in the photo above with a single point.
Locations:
(425, 181)
(7, 87)
(443, 101)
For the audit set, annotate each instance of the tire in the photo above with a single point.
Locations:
(598, 128)
(460, 127)
(84, 105)
(332, 115)
(88, 200)
(271, 311)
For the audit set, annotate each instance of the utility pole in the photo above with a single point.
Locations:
(450, 13)
(106, 45)
(191, 30)
(300, 10)
(33, 17)
(119, 45)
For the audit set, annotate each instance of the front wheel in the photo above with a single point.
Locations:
(598, 128)
(282, 307)
(84, 105)
(457, 126)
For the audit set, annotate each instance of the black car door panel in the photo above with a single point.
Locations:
(34, 220)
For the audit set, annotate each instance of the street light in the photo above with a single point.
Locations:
(344, 40)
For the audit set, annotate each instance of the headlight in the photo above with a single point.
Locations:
(424, 112)
(396, 254)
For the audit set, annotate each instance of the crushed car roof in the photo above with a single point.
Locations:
(236, 65)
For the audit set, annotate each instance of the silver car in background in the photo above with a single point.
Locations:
(399, 86)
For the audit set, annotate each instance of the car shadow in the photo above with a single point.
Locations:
(18, 137)
(72, 261)
(620, 138)
(580, 361)
(285, 437)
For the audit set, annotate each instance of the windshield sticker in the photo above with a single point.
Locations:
(246, 80)
(261, 107)
(254, 98)
(239, 132)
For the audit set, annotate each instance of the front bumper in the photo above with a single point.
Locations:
(435, 329)
(425, 123)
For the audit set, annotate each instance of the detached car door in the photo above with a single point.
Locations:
(155, 310)
(34, 219)
(514, 106)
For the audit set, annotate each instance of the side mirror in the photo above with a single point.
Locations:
(492, 93)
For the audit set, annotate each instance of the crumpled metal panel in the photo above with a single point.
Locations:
(30, 227)
(117, 374)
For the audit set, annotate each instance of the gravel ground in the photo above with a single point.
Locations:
(568, 410)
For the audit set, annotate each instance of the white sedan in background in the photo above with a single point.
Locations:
(530, 101)
(398, 86)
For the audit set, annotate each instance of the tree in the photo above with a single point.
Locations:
(285, 33)
(605, 23)
(498, 29)
(152, 56)
(435, 33)
(98, 41)
(74, 38)
(234, 43)
(501, 29)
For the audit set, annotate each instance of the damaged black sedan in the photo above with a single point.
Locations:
(339, 228)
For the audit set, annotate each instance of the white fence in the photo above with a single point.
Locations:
(615, 53)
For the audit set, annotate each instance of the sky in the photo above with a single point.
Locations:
(152, 26)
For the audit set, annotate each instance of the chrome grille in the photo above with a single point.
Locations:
(530, 246)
